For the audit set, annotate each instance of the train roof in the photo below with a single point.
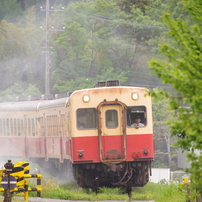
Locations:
(18, 106)
(53, 103)
(31, 105)
(48, 101)
(108, 87)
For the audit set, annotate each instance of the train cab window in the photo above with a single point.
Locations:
(133, 112)
(111, 117)
(86, 118)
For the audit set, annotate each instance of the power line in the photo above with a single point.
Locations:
(129, 83)
(80, 72)
(105, 67)
(89, 16)
(115, 21)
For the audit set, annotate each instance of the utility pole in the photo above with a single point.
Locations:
(47, 52)
(47, 45)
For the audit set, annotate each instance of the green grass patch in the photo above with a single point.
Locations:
(158, 192)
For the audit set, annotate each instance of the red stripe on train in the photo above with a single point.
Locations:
(138, 147)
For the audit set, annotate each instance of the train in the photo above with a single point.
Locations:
(87, 132)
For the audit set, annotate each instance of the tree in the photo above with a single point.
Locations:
(98, 37)
(9, 10)
(182, 69)
(11, 51)
(85, 50)
(33, 69)
(126, 5)
(10, 94)
(20, 52)
(165, 151)
(101, 41)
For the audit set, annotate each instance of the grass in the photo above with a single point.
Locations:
(157, 192)
(161, 192)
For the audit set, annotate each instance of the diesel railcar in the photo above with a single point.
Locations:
(88, 131)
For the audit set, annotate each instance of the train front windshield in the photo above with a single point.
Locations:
(136, 112)
(87, 117)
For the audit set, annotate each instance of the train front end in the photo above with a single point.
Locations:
(108, 149)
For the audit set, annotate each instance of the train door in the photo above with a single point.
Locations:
(112, 131)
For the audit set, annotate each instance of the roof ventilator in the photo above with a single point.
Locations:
(107, 83)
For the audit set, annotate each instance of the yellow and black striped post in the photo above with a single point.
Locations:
(20, 174)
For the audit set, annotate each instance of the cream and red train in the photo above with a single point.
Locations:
(89, 129)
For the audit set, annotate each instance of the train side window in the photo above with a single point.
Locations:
(7, 127)
(36, 126)
(49, 125)
(22, 127)
(42, 126)
(86, 118)
(14, 127)
(56, 125)
(33, 127)
(136, 111)
(19, 129)
(62, 124)
(4, 127)
(29, 127)
(111, 117)
(11, 127)
(1, 127)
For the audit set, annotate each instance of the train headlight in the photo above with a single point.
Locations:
(80, 155)
(145, 152)
(135, 96)
(86, 98)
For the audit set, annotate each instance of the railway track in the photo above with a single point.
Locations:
(38, 199)
(34, 199)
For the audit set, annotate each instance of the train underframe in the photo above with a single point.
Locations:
(125, 174)
(95, 175)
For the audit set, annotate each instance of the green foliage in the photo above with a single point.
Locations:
(110, 191)
(32, 90)
(157, 192)
(17, 90)
(20, 52)
(102, 41)
(51, 188)
(11, 93)
(82, 51)
(9, 10)
(160, 106)
(165, 151)
(73, 84)
(182, 69)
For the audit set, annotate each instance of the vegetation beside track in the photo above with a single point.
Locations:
(51, 188)
(162, 192)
